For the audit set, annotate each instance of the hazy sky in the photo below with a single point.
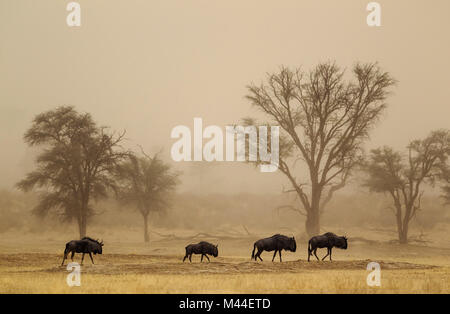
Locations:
(147, 66)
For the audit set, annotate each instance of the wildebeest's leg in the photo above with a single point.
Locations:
(315, 254)
(90, 255)
(309, 249)
(279, 252)
(186, 255)
(64, 258)
(331, 249)
(201, 260)
(207, 258)
(190, 258)
(71, 257)
(82, 259)
(259, 255)
(274, 254)
(328, 253)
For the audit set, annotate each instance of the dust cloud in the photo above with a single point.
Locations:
(148, 66)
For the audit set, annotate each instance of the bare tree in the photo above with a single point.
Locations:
(146, 182)
(403, 177)
(445, 176)
(76, 163)
(446, 189)
(324, 121)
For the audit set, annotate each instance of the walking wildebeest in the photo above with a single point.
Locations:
(328, 240)
(85, 245)
(276, 242)
(203, 248)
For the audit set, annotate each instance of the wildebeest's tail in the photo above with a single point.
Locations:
(254, 248)
(309, 246)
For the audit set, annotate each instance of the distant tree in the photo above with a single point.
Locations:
(146, 183)
(446, 190)
(324, 120)
(445, 177)
(403, 177)
(75, 166)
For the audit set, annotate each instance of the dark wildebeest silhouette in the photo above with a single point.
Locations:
(203, 248)
(327, 240)
(85, 245)
(276, 242)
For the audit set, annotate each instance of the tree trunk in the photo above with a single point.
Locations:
(403, 223)
(403, 236)
(82, 226)
(399, 224)
(312, 223)
(83, 216)
(403, 239)
(146, 236)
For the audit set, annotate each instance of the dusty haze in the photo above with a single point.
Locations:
(147, 66)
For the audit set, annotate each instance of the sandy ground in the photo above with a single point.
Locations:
(32, 265)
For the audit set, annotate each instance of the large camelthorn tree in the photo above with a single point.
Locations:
(75, 166)
(404, 176)
(324, 120)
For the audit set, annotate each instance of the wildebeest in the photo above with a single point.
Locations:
(327, 240)
(85, 245)
(203, 248)
(276, 242)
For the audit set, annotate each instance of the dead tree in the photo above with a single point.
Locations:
(324, 120)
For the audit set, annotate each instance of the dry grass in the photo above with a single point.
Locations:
(30, 264)
(327, 281)
(430, 281)
(131, 273)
